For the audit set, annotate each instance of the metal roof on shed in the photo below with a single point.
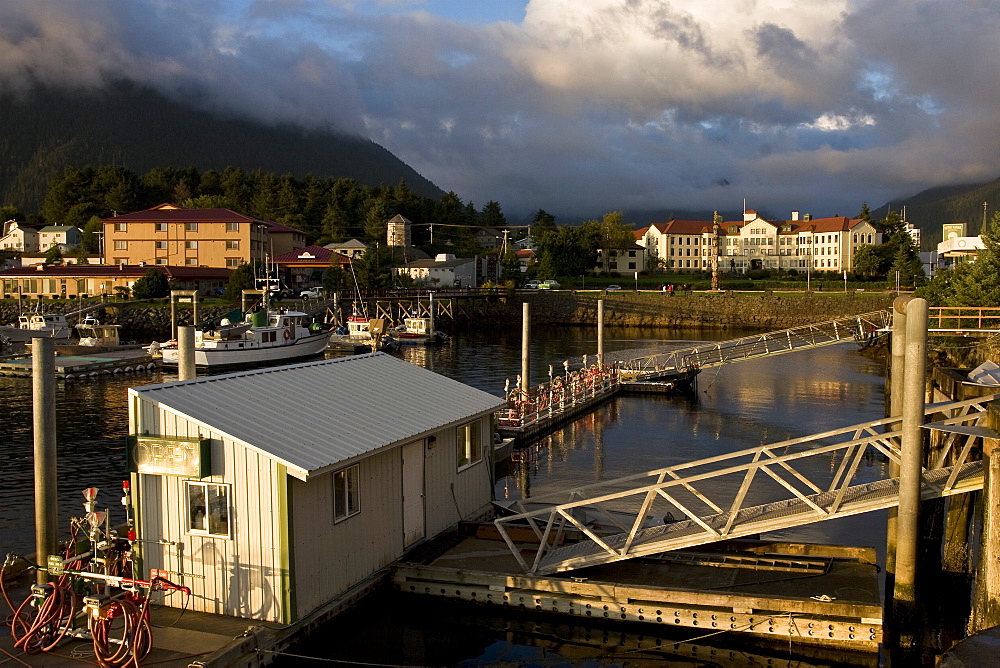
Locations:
(312, 416)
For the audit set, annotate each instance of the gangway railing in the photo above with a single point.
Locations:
(857, 328)
(963, 319)
(765, 488)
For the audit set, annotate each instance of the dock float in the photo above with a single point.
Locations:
(811, 594)
(541, 409)
(84, 367)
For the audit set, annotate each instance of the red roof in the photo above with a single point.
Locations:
(170, 214)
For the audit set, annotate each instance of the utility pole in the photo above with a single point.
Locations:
(986, 225)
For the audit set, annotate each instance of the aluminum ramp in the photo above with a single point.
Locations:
(767, 488)
(853, 328)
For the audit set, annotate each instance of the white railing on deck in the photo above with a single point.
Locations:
(559, 394)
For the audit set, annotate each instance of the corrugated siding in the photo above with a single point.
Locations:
(311, 416)
(240, 576)
(330, 558)
(472, 485)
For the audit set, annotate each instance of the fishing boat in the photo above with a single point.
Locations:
(93, 337)
(358, 336)
(265, 337)
(416, 331)
(38, 325)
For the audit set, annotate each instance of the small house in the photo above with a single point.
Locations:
(271, 492)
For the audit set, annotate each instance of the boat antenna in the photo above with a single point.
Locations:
(357, 293)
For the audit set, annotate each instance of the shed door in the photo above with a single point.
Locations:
(413, 493)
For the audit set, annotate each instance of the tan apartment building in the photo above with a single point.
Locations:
(170, 235)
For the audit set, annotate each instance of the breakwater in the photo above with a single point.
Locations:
(721, 311)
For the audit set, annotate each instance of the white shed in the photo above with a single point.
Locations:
(271, 492)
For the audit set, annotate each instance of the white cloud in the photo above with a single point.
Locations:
(586, 105)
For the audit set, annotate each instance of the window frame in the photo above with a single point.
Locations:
(468, 437)
(190, 227)
(207, 531)
(350, 490)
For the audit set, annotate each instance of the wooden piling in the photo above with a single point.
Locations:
(45, 465)
(525, 348)
(908, 521)
(986, 593)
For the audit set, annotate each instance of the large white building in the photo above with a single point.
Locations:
(801, 243)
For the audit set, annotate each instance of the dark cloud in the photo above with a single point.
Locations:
(587, 105)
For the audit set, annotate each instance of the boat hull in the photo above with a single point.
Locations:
(26, 335)
(252, 354)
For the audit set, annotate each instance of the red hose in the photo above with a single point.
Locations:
(136, 636)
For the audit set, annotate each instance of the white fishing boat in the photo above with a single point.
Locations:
(417, 331)
(265, 337)
(359, 337)
(38, 325)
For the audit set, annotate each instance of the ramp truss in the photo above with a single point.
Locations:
(765, 488)
(854, 328)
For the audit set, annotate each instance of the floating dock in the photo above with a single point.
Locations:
(793, 592)
(83, 367)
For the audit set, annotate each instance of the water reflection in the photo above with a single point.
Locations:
(737, 406)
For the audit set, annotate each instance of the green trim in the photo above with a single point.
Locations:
(282, 485)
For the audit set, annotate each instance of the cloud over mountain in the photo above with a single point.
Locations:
(585, 105)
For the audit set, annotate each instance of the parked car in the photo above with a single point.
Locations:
(549, 285)
(312, 293)
(613, 287)
(531, 285)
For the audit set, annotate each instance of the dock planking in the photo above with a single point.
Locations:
(829, 597)
(81, 367)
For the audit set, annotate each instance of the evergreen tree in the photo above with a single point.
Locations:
(492, 216)
(151, 285)
(91, 241)
(242, 278)
(53, 255)
(978, 283)
(376, 220)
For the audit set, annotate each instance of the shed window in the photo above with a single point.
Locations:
(470, 448)
(208, 509)
(346, 501)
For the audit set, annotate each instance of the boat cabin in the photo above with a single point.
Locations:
(95, 335)
(274, 491)
(39, 321)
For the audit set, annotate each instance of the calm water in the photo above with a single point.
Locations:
(737, 406)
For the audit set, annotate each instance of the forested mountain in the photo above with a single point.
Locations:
(931, 208)
(48, 130)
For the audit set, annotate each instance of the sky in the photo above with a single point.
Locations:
(577, 106)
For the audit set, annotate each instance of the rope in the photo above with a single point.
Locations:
(353, 663)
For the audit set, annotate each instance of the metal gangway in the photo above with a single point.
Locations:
(766, 488)
(857, 328)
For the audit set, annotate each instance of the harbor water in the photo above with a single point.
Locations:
(733, 407)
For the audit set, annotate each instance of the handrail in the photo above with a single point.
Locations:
(714, 512)
(855, 328)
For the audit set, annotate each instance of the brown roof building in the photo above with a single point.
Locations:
(170, 235)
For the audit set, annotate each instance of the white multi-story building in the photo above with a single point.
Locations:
(18, 237)
(820, 244)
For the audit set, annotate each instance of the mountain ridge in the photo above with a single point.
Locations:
(47, 130)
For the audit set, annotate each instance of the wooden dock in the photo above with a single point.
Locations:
(799, 593)
(84, 367)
